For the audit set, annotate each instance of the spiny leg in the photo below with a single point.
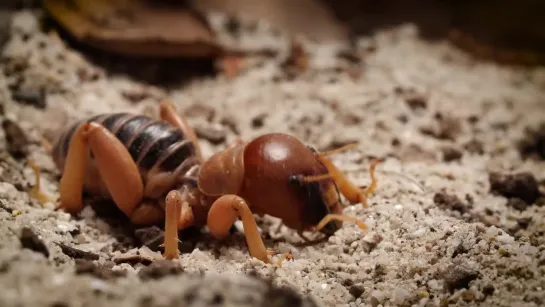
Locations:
(116, 167)
(173, 210)
(179, 215)
(36, 191)
(224, 213)
(71, 183)
(168, 113)
(338, 217)
(346, 187)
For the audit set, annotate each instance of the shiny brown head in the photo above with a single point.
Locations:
(284, 178)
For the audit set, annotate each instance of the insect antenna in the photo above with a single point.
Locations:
(315, 178)
(338, 150)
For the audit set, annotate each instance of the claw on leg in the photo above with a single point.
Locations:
(338, 217)
(36, 191)
(178, 215)
(224, 213)
(173, 212)
(353, 193)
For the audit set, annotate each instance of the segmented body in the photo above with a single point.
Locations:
(159, 149)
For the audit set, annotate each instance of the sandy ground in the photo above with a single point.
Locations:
(457, 218)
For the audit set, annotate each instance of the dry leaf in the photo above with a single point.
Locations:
(138, 28)
(308, 18)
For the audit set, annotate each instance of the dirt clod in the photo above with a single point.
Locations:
(102, 271)
(444, 128)
(533, 144)
(451, 154)
(458, 277)
(34, 97)
(475, 147)
(16, 139)
(488, 289)
(524, 222)
(447, 201)
(77, 253)
(520, 185)
(160, 269)
(356, 290)
(277, 297)
(517, 203)
(30, 240)
(416, 101)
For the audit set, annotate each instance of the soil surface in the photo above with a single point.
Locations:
(458, 217)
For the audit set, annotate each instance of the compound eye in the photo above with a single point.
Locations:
(311, 148)
(295, 180)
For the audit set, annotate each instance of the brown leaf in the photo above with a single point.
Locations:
(309, 18)
(138, 28)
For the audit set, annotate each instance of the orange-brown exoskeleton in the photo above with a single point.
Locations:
(154, 171)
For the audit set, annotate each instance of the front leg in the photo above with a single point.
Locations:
(178, 215)
(225, 211)
(114, 163)
(353, 193)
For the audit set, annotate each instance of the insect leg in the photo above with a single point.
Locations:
(338, 217)
(179, 215)
(36, 192)
(71, 183)
(224, 213)
(348, 188)
(168, 113)
(114, 163)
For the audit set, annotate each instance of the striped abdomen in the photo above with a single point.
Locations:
(156, 146)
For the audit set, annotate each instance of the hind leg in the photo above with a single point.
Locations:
(168, 113)
(116, 167)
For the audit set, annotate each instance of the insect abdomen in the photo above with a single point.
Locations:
(151, 143)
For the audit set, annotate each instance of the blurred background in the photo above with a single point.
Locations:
(511, 32)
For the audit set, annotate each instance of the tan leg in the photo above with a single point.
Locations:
(168, 113)
(115, 165)
(36, 191)
(224, 213)
(71, 183)
(178, 216)
(346, 187)
(343, 218)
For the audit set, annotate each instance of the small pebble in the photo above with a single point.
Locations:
(160, 269)
(30, 240)
(77, 253)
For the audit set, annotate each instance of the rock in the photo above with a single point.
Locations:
(160, 269)
(450, 202)
(356, 290)
(77, 253)
(30, 240)
(102, 271)
(520, 185)
(458, 276)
